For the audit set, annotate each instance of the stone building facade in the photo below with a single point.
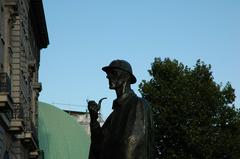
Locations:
(23, 33)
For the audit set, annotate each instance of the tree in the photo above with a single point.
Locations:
(194, 117)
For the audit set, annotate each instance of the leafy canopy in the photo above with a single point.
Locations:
(194, 117)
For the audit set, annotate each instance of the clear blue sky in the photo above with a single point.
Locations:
(86, 35)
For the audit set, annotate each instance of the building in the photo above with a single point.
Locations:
(60, 135)
(83, 118)
(23, 34)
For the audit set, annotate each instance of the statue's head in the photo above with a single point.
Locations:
(119, 72)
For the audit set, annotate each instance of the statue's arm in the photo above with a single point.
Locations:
(95, 129)
(96, 136)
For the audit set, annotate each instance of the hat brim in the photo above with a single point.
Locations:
(107, 68)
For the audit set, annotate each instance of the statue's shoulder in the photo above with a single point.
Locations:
(143, 102)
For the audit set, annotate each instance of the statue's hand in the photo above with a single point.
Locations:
(93, 109)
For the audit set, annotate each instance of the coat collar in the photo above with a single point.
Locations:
(121, 100)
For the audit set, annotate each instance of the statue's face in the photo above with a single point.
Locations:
(115, 78)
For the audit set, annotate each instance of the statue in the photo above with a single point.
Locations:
(127, 132)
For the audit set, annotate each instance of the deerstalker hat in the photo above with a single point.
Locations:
(122, 65)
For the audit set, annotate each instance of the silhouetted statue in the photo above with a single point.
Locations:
(126, 133)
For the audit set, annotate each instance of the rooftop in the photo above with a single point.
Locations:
(60, 136)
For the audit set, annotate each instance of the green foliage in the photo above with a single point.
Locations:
(194, 117)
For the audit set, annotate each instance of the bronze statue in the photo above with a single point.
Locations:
(126, 133)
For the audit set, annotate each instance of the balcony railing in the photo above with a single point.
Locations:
(35, 133)
(17, 112)
(20, 120)
(5, 83)
(30, 138)
(17, 119)
(6, 102)
(30, 127)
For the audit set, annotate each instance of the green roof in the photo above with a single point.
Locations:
(60, 136)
